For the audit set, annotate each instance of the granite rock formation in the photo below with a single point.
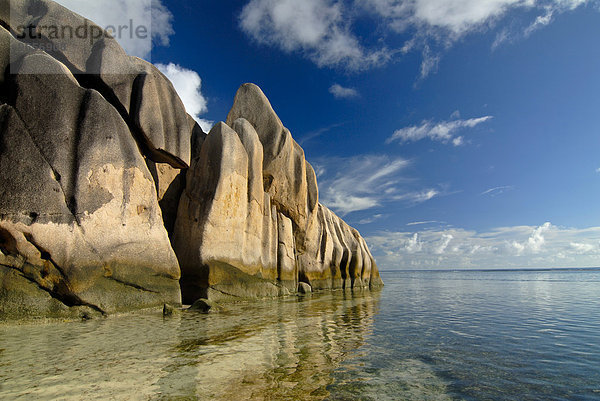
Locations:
(143, 96)
(249, 222)
(109, 190)
(81, 229)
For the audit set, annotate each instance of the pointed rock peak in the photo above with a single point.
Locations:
(220, 128)
(252, 104)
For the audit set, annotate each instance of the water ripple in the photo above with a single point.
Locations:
(428, 336)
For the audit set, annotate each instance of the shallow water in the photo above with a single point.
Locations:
(526, 335)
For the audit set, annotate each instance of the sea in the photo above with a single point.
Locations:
(427, 335)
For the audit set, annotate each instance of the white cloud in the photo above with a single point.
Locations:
(497, 190)
(317, 133)
(371, 219)
(598, 170)
(443, 131)
(551, 9)
(504, 247)
(341, 92)
(318, 28)
(363, 182)
(535, 242)
(413, 244)
(324, 30)
(418, 196)
(443, 244)
(453, 19)
(584, 248)
(188, 85)
(430, 62)
(418, 223)
(150, 14)
(458, 141)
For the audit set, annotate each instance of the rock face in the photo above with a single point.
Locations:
(249, 223)
(143, 96)
(99, 211)
(81, 229)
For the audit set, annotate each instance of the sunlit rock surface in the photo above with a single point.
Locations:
(109, 189)
(81, 230)
(249, 223)
(143, 96)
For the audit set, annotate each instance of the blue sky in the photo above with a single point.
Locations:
(450, 133)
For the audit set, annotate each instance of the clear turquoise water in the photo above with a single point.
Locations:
(512, 335)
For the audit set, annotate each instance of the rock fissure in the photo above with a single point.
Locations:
(136, 286)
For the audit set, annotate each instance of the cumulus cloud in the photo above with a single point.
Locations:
(444, 131)
(413, 244)
(320, 29)
(364, 182)
(535, 242)
(443, 244)
(188, 85)
(546, 246)
(340, 92)
(150, 14)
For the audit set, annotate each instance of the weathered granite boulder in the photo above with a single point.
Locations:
(98, 208)
(249, 223)
(81, 231)
(226, 221)
(143, 96)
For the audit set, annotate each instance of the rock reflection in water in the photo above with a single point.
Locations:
(279, 349)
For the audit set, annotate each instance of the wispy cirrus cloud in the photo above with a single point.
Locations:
(444, 131)
(549, 10)
(495, 191)
(340, 92)
(418, 223)
(364, 182)
(317, 133)
(544, 246)
(369, 220)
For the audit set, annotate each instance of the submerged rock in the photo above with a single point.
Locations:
(205, 306)
(304, 288)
